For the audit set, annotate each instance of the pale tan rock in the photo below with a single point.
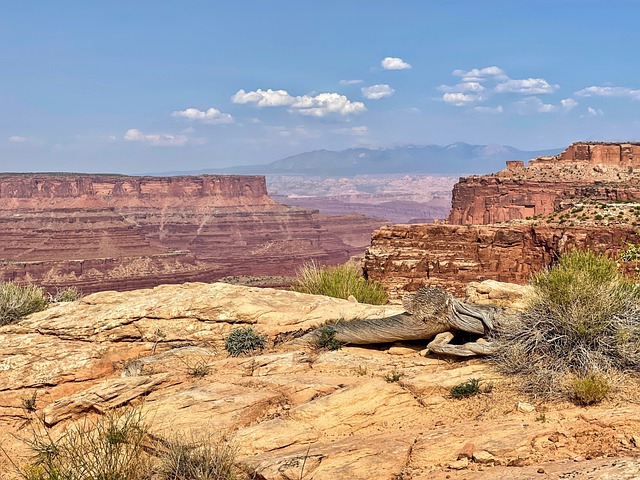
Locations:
(525, 407)
(401, 351)
(510, 296)
(482, 456)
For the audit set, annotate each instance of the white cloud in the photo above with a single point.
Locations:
(527, 86)
(394, 63)
(212, 115)
(480, 74)
(376, 92)
(264, 98)
(18, 139)
(460, 99)
(317, 106)
(593, 112)
(156, 139)
(350, 82)
(497, 109)
(358, 131)
(534, 105)
(463, 87)
(568, 104)
(609, 92)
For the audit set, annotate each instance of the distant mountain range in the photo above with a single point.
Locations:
(457, 158)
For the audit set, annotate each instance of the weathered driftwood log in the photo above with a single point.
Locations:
(430, 311)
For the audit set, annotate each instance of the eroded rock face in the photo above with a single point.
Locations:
(597, 171)
(407, 257)
(335, 412)
(117, 232)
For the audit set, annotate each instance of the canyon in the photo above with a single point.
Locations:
(507, 225)
(101, 232)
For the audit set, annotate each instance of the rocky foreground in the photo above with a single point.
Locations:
(336, 412)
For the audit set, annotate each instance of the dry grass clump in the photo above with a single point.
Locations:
(243, 341)
(583, 322)
(340, 281)
(17, 301)
(117, 447)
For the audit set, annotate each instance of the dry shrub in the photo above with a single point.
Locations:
(340, 281)
(17, 301)
(590, 389)
(584, 319)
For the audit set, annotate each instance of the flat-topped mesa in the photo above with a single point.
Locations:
(585, 171)
(114, 190)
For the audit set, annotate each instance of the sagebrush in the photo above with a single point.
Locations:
(17, 301)
(340, 281)
(583, 320)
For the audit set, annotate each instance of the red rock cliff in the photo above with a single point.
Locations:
(117, 232)
(593, 171)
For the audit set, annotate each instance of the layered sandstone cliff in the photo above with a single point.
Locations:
(508, 225)
(583, 172)
(102, 232)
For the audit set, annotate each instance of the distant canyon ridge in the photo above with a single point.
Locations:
(112, 232)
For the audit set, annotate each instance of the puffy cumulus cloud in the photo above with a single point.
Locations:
(18, 139)
(325, 103)
(350, 82)
(534, 105)
(319, 105)
(497, 109)
(463, 87)
(394, 63)
(609, 92)
(264, 98)
(527, 86)
(480, 74)
(156, 139)
(460, 99)
(376, 92)
(568, 104)
(212, 115)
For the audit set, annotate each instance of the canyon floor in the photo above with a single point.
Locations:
(294, 411)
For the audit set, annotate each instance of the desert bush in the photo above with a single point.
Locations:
(393, 376)
(583, 319)
(470, 388)
(67, 294)
(108, 449)
(326, 338)
(17, 301)
(186, 458)
(244, 340)
(339, 281)
(590, 389)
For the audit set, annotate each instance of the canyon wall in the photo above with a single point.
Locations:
(584, 171)
(507, 225)
(406, 257)
(102, 232)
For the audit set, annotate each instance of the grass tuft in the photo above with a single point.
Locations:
(341, 281)
(327, 340)
(590, 389)
(17, 301)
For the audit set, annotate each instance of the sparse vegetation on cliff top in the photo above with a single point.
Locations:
(340, 281)
(17, 301)
(583, 323)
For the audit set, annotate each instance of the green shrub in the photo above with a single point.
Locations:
(244, 340)
(68, 294)
(469, 388)
(393, 376)
(584, 317)
(339, 281)
(590, 389)
(17, 301)
(326, 338)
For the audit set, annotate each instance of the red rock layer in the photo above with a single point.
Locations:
(584, 171)
(407, 257)
(117, 232)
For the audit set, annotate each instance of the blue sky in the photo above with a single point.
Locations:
(152, 86)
